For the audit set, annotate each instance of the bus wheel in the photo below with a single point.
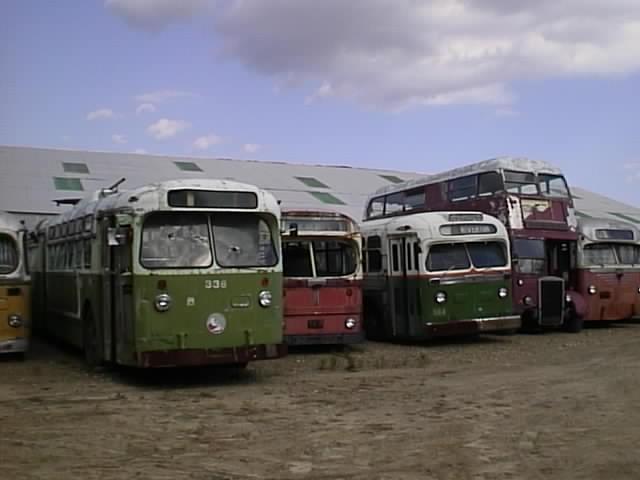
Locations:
(90, 340)
(573, 323)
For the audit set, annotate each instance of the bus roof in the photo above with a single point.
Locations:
(432, 221)
(154, 197)
(520, 164)
(590, 227)
(9, 223)
(323, 219)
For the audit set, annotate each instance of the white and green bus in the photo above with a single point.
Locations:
(436, 274)
(184, 272)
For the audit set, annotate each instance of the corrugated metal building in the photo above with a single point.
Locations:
(32, 178)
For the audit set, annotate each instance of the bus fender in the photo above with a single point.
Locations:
(578, 303)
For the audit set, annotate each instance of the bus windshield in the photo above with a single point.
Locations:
(176, 241)
(530, 254)
(553, 186)
(611, 254)
(243, 240)
(8, 254)
(331, 258)
(461, 256)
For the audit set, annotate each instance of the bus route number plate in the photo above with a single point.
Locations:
(315, 323)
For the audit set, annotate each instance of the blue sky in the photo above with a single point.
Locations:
(363, 85)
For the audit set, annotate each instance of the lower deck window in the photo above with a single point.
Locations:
(611, 254)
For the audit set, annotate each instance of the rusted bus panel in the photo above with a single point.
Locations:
(616, 297)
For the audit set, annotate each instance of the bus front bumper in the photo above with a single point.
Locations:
(325, 339)
(201, 357)
(478, 325)
(14, 345)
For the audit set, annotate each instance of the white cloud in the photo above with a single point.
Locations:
(102, 113)
(119, 138)
(251, 147)
(395, 54)
(145, 107)
(160, 96)
(154, 14)
(140, 151)
(203, 143)
(165, 128)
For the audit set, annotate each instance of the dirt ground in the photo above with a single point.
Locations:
(555, 406)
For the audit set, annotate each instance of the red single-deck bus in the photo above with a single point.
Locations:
(533, 200)
(322, 278)
(609, 269)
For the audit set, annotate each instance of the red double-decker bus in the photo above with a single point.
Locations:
(534, 202)
(609, 269)
(322, 278)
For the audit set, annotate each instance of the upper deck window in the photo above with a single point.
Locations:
(462, 188)
(415, 199)
(553, 186)
(522, 183)
(243, 240)
(394, 203)
(489, 182)
(176, 241)
(8, 254)
(212, 199)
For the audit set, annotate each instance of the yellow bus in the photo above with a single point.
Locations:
(14, 287)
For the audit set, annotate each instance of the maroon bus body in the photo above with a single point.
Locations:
(611, 290)
(550, 219)
(322, 309)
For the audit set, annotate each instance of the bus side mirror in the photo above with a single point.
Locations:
(117, 236)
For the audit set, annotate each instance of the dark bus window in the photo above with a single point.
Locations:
(376, 207)
(335, 257)
(415, 199)
(296, 259)
(530, 254)
(394, 258)
(462, 188)
(374, 242)
(599, 254)
(628, 254)
(8, 254)
(394, 203)
(522, 183)
(416, 259)
(487, 254)
(452, 256)
(407, 255)
(489, 182)
(374, 261)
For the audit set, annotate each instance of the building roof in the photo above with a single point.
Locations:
(32, 178)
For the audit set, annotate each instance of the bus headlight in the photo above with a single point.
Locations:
(520, 282)
(163, 302)
(527, 300)
(567, 298)
(441, 297)
(592, 290)
(503, 292)
(350, 323)
(264, 298)
(14, 320)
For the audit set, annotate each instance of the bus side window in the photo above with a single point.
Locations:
(489, 183)
(463, 188)
(416, 252)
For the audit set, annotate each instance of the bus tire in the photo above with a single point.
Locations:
(90, 340)
(573, 323)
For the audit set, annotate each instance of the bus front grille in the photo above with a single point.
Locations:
(551, 301)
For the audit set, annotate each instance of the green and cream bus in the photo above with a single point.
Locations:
(15, 317)
(177, 273)
(436, 274)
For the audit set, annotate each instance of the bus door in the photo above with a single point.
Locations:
(399, 286)
(118, 286)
